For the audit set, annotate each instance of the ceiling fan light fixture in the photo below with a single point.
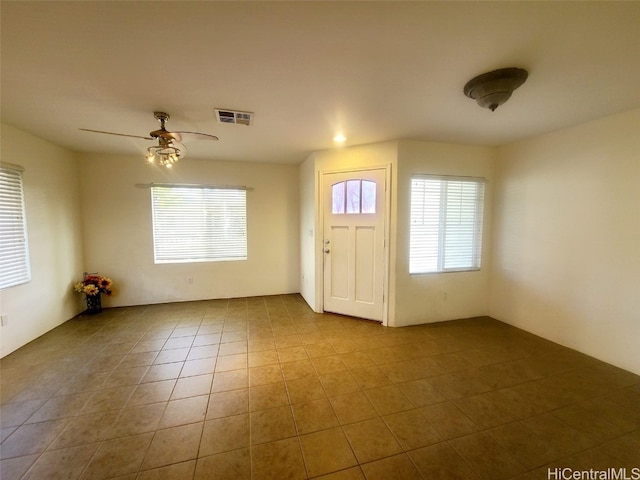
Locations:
(169, 148)
(493, 88)
(165, 154)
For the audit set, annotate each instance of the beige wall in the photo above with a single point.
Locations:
(52, 202)
(119, 241)
(566, 257)
(413, 299)
(436, 297)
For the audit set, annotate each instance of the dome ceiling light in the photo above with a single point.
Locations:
(492, 89)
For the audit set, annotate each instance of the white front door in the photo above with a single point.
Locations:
(354, 242)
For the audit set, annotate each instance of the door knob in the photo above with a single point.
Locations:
(326, 242)
(326, 250)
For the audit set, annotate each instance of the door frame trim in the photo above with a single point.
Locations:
(386, 233)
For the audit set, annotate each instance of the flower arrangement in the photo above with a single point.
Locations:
(94, 284)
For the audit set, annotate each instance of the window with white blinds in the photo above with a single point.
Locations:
(446, 223)
(199, 224)
(14, 248)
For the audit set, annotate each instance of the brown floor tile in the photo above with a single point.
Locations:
(291, 354)
(232, 362)
(225, 434)
(108, 399)
(268, 396)
(449, 421)
(202, 366)
(166, 371)
(209, 328)
(388, 399)
(441, 462)
(353, 473)
(206, 339)
(313, 416)
(352, 407)
(320, 349)
(400, 372)
(192, 386)
(64, 463)
(357, 360)
(155, 392)
(262, 357)
(339, 383)
(342, 346)
(31, 438)
(234, 465)
(265, 388)
(5, 432)
(233, 380)
(184, 411)
(421, 392)
(398, 467)
(278, 460)
(118, 456)
(486, 457)
(171, 356)
(370, 377)
(14, 468)
(178, 342)
(86, 429)
(326, 451)
(564, 439)
(371, 440)
(326, 365)
(60, 407)
(15, 414)
(185, 331)
(140, 419)
(460, 384)
(226, 404)
(232, 348)
(145, 346)
(494, 408)
(412, 429)
(305, 389)
(265, 374)
(204, 351)
(173, 445)
(272, 424)
(178, 471)
(298, 369)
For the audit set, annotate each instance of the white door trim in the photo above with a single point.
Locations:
(320, 228)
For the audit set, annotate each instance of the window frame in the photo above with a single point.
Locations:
(346, 206)
(12, 203)
(217, 207)
(473, 257)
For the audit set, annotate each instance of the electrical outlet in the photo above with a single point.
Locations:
(190, 280)
(4, 320)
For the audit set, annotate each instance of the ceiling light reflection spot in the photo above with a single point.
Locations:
(340, 138)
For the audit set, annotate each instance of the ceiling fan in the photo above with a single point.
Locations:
(169, 148)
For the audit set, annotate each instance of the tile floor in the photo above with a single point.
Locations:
(263, 388)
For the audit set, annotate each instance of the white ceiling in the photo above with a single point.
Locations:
(373, 70)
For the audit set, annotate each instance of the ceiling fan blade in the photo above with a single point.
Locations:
(113, 133)
(196, 136)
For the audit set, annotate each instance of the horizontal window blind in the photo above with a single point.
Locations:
(199, 224)
(446, 223)
(14, 249)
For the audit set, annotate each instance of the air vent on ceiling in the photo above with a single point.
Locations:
(233, 116)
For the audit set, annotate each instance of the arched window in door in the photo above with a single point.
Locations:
(353, 196)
